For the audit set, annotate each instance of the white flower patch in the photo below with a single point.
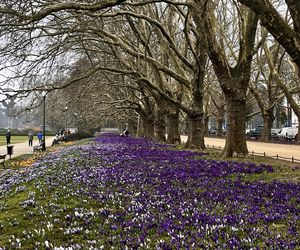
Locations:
(20, 189)
(74, 230)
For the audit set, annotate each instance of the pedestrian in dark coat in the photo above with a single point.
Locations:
(30, 138)
(8, 137)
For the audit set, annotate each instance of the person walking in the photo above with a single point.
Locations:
(8, 137)
(40, 136)
(30, 138)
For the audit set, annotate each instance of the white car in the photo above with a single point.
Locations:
(275, 133)
(292, 133)
(288, 133)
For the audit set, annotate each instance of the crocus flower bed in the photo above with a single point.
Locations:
(131, 193)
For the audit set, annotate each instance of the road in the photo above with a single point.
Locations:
(270, 149)
(23, 148)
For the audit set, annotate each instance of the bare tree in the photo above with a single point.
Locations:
(288, 84)
(287, 34)
(183, 64)
(233, 77)
(41, 41)
(265, 90)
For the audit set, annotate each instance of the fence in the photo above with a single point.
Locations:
(278, 157)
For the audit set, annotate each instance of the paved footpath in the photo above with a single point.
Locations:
(271, 149)
(23, 148)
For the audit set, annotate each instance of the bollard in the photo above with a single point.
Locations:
(10, 150)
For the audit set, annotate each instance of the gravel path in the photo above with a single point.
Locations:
(23, 148)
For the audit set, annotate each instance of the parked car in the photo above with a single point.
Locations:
(255, 133)
(292, 133)
(288, 133)
(275, 133)
(282, 134)
(212, 131)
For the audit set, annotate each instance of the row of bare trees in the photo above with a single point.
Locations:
(153, 63)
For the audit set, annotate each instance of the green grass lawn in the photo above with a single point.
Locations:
(14, 139)
(284, 170)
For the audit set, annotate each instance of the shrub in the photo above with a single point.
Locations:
(80, 135)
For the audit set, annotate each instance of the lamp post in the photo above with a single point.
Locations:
(289, 115)
(44, 122)
(66, 124)
(76, 120)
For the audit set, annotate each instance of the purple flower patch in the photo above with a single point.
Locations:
(127, 192)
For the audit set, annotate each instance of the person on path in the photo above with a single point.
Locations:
(8, 137)
(55, 140)
(126, 132)
(30, 138)
(40, 136)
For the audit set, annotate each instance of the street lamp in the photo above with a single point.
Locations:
(44, 122)
(66, 125)
(66, 135)
(76, 120)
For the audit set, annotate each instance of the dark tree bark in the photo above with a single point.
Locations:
(173, 128)
(220, 113)
(146, 113)
(205, 125)
(147, 127)
(195, 116)
(268, 119)
(196, 132)
(220, 121)
(160, 124)
(236, 124)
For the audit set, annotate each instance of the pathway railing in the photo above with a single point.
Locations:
(278, 157)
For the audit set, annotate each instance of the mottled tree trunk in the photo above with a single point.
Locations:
(268, 119)
(196, 132)
(146, 127)
(173, 128)
(160, 125)
(139, 131)
(278, 123)
(220, 126)
(132, 126)
(236, 120)
(205, 127)
(195, 117)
